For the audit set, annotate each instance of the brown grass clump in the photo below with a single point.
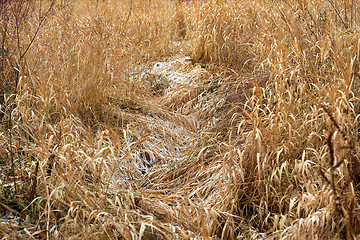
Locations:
(180, 120)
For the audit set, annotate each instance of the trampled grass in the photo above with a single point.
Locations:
(165, 119)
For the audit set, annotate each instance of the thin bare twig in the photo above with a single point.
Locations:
(348, 213)
(338, 14)
(41, 21)
(130, 10)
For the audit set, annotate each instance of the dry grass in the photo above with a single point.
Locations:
(254, 137)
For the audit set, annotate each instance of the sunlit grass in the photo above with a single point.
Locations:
(257, 138)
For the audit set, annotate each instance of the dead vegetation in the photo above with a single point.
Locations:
(172, 120)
